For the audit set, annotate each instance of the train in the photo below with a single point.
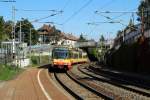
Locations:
(65, 57)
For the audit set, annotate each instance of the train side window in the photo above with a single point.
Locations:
(70, 55)
(76, 55)
(83, 56)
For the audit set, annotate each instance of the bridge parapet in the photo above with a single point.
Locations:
(86, 44)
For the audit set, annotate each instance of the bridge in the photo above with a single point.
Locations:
(85, 44)
(48, 47)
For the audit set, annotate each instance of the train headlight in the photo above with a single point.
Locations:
(65, 63)
(54, 62)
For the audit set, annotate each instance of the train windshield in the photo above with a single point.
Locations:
(60, 54)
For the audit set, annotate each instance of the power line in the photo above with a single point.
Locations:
(111, 19)
(106, 4)
(122, 13)
(50, 23)
(65, 5)
(39, 10)
(37, 20)
(96, 24)
(108, 12)
(114, 21)
(78, 11)
(7, 1)
(45, 17)
(102, 7)
(115, 12)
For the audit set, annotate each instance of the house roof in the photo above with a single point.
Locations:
(70, 37)
(48, 29)
(45, 29)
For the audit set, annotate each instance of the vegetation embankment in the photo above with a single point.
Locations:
(8, 72)
(134, 57)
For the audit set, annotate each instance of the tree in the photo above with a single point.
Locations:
(25, 28)
(119, 33)
(81, 39)
(102, 39)
(130, 26)
(3, 35)
(34, 36)
(144, 8)
(102, 49)
(8, 28)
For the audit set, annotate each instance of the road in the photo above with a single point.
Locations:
(32, 84)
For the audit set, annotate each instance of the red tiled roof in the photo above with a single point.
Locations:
(45, 29)
(70, 37)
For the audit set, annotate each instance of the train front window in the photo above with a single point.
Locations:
(60, 54)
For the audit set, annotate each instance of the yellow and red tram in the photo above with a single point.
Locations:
(64, 57)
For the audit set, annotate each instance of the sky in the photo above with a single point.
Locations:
(76, 15)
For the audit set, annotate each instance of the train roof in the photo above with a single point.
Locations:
(67, 48)
(60, 48)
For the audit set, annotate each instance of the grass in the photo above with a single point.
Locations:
(36, 60)
(8, 72)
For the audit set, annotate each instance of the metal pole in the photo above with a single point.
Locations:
(20, 45)
(13, 33)
(30, 37)
(14, 23)
(142, 21)
(30, 43)
(20, 33)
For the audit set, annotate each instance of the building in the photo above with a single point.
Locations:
(132, 35)
(68, 39)
(45, 32)
(49, 34)
(118, 40)
(106, 44)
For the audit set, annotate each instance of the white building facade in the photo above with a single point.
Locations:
(132, 36)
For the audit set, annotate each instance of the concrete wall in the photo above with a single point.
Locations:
(22, 62)
(147, 33)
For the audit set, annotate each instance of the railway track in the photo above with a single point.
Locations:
(75, 95)
(135, 86)
(105, 79)
(78, 89)
(88, 86)
(128, 78)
